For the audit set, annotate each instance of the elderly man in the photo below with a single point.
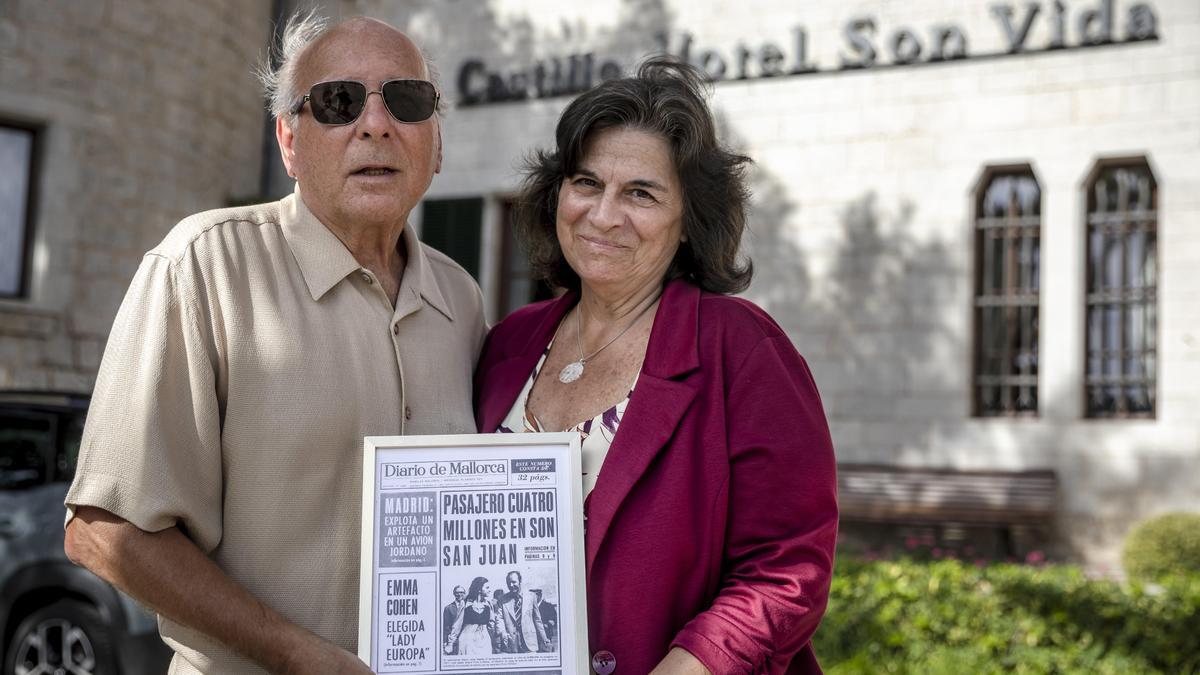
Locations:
(450, 614)
(219, 478)
(521, 619)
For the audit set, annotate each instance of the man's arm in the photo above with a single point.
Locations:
(535, 614)
(167, 572)
(507, 625)
(453, 631)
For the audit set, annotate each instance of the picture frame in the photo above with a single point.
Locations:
(472, 554)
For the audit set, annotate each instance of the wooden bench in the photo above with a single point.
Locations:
(1019, 505)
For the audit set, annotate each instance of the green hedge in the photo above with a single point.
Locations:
(954, 617)
(1168, 545)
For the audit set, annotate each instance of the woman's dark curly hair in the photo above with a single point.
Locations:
(476, 590)
(665, 98)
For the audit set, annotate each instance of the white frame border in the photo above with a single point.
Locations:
(574, 534)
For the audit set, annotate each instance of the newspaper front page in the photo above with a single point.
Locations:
(472, 555)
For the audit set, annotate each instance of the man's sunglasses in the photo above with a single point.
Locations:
(342, 101)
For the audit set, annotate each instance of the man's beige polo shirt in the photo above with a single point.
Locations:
(249, 358)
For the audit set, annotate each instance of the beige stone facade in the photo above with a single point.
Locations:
(146, 112)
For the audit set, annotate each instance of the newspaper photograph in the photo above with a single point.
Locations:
(472, 555)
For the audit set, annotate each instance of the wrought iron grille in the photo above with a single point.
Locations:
(1122, 291)
(1008, 221)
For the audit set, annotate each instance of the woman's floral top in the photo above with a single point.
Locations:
(596, 433)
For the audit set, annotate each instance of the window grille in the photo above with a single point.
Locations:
(517, 285)
(1008, 220)
(1122, 290)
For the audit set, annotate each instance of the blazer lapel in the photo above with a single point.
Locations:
(509, 374)
(659, 402)
(509, 378)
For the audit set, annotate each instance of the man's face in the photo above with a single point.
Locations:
(459, 593)
(375, 169)
(514, 582)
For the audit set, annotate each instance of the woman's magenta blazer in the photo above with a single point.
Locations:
(713, 520)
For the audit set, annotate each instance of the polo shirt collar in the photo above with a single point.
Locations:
(324, 260)
(419, 281)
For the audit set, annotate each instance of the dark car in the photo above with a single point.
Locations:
(56, 617)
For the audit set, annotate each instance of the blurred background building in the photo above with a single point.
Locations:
(978, 221)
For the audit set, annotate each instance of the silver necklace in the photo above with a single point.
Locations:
(574, 370)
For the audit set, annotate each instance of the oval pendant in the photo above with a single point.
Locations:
(571, 372)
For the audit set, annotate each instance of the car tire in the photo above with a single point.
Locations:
(65, 636)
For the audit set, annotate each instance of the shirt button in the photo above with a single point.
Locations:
(367, 278)
(407, 413)
(395, 329)
(604, 662)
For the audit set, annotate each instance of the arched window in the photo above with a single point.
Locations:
(1008, 223)
(1122, 289)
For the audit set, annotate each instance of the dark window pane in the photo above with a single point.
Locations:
(16, 156)
(1112, 327)
(1111, 395)
(988, 398)
(1135, 330)
(997, 265)
(1149, 268)
(1112, 261)
(453, 226)
(517, 285)
(1095, 249)
(1027, 399)
(1035, 266)
(995, 340)
(1034, 346)
(1135, 255)
(1137, 400)
(1094, 330)
(1151, 328)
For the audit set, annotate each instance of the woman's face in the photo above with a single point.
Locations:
(620, 217)
(486, 592)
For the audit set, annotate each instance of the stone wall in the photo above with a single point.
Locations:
(149, 111)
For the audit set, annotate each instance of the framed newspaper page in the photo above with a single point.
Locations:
(472, 555)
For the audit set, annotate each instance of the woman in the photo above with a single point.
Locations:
(710, 512)
(476, 624)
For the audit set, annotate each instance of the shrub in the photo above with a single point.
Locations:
(1163, 546)
(953, 617)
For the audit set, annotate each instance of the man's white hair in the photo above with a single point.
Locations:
(282, 82)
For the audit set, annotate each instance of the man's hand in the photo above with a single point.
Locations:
(168, 573)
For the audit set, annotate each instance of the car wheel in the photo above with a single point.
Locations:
(64, 638)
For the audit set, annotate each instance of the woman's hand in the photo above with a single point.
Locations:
(680, 662)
